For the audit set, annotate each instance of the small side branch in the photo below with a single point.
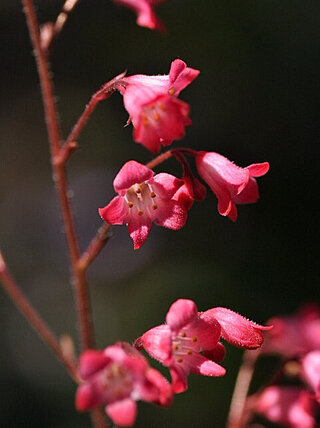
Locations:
(95, 246)
(50, 30)
(107, 89)
(26, 308)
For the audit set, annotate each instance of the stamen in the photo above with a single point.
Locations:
(156, 116)
(175, 347)
(130, 204)
(162, 106)
(152, 195)
(154, 206)
(179, 360)
(189, 352)
(183, 334)
(194, 339)
(171, 91)
(144, 118)
(140, 212)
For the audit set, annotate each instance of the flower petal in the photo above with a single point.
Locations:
(115, 212)
(157, 342)
(165, 185)
(123, 413)
(203, 366)
(91, 361)
(139, 228)
(131, 173)
(172, 215)
(87, 397)
(181, 76)
(179, 379)
(181, 313)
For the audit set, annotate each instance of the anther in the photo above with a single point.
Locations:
(144, 118)
(171, 91)
(179, 360)
(156, 116)
(130, 204)
(140, 212)
(189, 352)
(183, 334)
(152, 195)
(175, 347)
(162, 106)
(194, 339)
(154, 206)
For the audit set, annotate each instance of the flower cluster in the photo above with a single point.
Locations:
(189, 342)
(296, 340)
(159, 117)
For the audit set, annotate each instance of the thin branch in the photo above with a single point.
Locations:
(241, 389)
(159, 159)
(29, 312)
(95, 246)
(103, 93)
(50, 30)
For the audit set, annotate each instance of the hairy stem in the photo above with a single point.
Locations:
(241, 389)
(106, 90)
(26, 308)
(79, 278)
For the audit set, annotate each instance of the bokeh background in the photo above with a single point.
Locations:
(256, 99)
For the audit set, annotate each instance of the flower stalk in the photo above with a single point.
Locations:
(33, 317)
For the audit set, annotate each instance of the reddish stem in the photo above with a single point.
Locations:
(107, 89)
(79, 279)
(95, 246)
(159, 159)
(26, 308)
(241, 389)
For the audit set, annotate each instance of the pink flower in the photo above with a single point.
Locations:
(289, 406)
(178, 343)
(231, 184)
(144, 10)
(119, 376)
(144, 198)
(235, 328)
(311, 372)
(295, 335)
(157, 115)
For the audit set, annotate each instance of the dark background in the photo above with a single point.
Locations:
(256, 99)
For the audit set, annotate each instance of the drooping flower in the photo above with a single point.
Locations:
(294, 336)
(157, 115)
(231, 184)
(145, 14)
(311, 372)
(189, 341)
(144, 198)
(119, 376)
(291, 407)
(236, 329)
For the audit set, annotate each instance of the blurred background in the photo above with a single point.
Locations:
(256, 99)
